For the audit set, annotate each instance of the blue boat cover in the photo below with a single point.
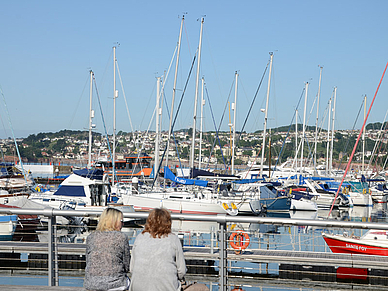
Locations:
(170, 175)
(321, 179)
(74, 191)
(12, 217)
(95, 174)
(247, 181)
(375, 180)
(4, 164)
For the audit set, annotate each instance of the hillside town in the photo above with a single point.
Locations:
(71, 147)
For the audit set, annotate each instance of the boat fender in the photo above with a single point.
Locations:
(239, 240)
(364, 191)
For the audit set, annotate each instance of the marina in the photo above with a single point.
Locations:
(301, 206)
(280, 248)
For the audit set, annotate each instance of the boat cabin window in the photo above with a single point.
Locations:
(176, 197)
(120, 165)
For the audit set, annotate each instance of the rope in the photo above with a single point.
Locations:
(217, 129)
(348, 140)
(358, 138)
(288, 132)
(79, 100)
(13, 135)
(250, 107)
(253, 101)
(175, 118)
(102, 116)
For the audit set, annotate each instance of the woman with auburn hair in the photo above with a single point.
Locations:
(157, 261)
(107, 254)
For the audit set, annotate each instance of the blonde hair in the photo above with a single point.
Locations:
(158, 223)
(110, 219)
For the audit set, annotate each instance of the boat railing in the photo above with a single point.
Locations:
(222, 246)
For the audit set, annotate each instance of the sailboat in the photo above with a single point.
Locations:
(86, 189)
(14, 184)
(192, 195)
(192, 198)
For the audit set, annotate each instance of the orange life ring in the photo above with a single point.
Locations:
(239, 240)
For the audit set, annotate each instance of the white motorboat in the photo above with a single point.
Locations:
(83, 190)
(180, 201)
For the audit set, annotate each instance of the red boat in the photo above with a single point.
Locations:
(374, 242)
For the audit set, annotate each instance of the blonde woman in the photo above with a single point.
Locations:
(107, 254)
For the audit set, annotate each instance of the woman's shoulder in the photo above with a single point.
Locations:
(172, 236)
(174, 239)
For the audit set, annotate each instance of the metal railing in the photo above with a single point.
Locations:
(221, 220)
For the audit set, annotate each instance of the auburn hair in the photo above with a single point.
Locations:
(158, 223)
(110, 219)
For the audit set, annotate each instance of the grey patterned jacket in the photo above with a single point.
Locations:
(107, 260)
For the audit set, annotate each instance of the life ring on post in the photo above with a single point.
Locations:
(239, 240)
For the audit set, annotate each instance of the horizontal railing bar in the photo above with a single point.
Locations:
(220, 218)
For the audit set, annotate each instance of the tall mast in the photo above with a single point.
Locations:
(91, 115)
(234, 107)
(173, 91)
(363, 140)
(332, 130)
(328, 140)
(196, 98)
(157, 133)
(269, 154)
(201, 124)
(266, 115)
(296, 139)
(316, 122)
(115, 95)
(304, 126)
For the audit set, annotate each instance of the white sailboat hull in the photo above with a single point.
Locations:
(142, 203)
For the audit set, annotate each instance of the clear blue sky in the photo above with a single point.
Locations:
(48, 47)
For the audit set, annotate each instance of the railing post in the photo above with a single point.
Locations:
(223, 263)
(212, 235)
(56, 252)
(52, 260)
